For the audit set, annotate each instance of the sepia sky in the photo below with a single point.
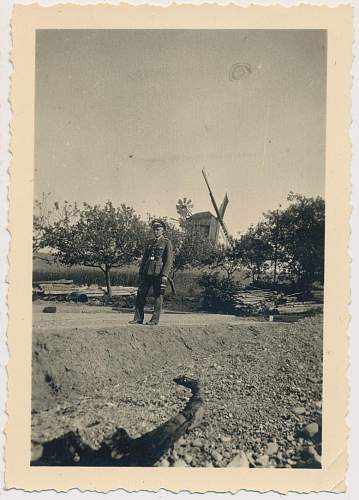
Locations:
(133, 116)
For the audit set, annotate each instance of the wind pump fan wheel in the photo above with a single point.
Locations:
(184, 207)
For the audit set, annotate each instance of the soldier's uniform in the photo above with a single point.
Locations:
(155, 267)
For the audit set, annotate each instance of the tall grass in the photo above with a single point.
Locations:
(86, 276)
(185, 282)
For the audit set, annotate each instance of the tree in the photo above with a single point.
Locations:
(192, 249)
(300, 235)
(290, 241)
(254, 249)
(226, 258)
(41, 219)
(45, 214)
(104, 237)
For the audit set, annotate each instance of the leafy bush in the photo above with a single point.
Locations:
(219, 293)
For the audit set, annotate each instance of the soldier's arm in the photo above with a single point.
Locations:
(167, 259)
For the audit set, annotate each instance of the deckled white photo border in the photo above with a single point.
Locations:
(338, 23)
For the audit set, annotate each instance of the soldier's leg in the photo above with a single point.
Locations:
(158, 296)
(143, 288)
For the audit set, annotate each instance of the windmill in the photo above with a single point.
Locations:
(184, 208)
(220, 211)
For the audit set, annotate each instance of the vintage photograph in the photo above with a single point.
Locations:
(178, 248)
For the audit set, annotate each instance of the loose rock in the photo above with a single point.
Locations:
(164, 463)
(216, 456)
(262, 460)
(239, 460)
(315, 456)
(250, 458)
(197, 443)
(179, 463)
(272, 449)
(311, 430)
(291, 462)
(181, 441)
(299, 410)
(36, 451)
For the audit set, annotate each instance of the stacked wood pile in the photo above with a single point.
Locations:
(279, 306)
(91, 291)
(57, 288)
(298, 307)
(67, 290)
(256, 300)
(121, 291)
(318, 295)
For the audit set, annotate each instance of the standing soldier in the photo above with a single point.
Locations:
(155, 267)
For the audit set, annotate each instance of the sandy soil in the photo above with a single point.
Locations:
(92, 371)
(86, 316)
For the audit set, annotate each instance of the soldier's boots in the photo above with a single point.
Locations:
(149, 323)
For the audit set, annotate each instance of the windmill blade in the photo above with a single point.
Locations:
(222, 208)
(223, 235)
(216, 209)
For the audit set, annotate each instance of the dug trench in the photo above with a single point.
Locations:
(260, 383)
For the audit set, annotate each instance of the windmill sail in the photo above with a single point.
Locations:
(223, 206)
(216, 209)
(222, 210)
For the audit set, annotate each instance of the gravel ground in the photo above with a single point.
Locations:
(262, 384)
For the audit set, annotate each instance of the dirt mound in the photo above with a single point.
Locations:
(75, 363)
(254, 377)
